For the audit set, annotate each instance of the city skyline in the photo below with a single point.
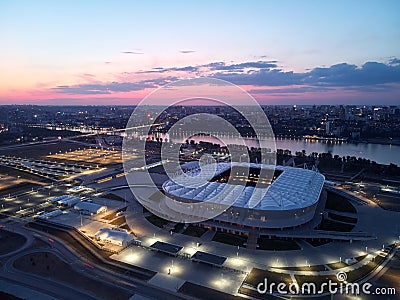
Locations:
(280, 52)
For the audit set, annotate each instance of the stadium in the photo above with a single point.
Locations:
(288, 199)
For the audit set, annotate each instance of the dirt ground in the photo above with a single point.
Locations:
(41, 150)
(13, 184)
(10, 241)
(47, 264)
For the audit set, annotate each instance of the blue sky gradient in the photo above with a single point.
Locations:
(306, 50)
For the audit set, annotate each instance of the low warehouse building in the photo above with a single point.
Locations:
(59, 198)
(89, 208)
(116, 236)
(51, 214)
(69, 201)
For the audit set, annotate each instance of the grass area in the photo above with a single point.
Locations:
(6, 296)
(118, 221)
(41, 150)
(10, 241)
(264, 243)
(342, 218)
(387, 202)
(318, 280)
(178, 227)
(330, 225)
(157, 221)
(339, 203)
(113, 197)
(318, 242)
(337, 265)
(194, 231)
(230, 239)
(110, 216)
(357, 274)
(305, 268)
(48, 265)
(18, 188)
(24, 175)
(197, 291)
(361, 257)
(256, 295)
(257, 275)
(127, 228)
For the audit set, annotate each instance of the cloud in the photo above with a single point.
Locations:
(394, 61)
(217, 66)
(263, 77)
(187, 51)
(107, 88)
(132, 52)
(290, 90)
(112, 87)
(370, 73)
(174, 69)
(339, 75)
(371, 76)
(241, 66)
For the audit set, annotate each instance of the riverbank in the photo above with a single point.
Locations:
(380, 141)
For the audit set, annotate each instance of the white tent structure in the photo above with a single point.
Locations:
(116, 236)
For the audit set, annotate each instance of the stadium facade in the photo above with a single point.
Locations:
(287, 200)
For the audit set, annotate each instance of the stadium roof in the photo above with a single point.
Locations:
(293, 189)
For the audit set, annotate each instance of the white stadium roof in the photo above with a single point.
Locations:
(294, 188)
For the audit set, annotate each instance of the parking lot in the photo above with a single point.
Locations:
(88, 155)
(30, 203)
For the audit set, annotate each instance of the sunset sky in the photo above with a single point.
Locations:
(281, 52)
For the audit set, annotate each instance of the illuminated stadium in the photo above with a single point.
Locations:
(288, 199)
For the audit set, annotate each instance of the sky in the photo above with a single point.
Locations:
(281, 52)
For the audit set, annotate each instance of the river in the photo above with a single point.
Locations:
(380, 153)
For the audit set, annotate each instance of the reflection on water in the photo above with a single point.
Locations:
(383, 154)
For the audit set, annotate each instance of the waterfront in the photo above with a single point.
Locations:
(380, 153)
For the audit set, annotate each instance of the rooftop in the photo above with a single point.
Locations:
(294, 188)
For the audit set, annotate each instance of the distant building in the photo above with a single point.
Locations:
(78, 189)
(355, 134)
(328, 127)
(50, 215)
(69, 201)
(89, 208)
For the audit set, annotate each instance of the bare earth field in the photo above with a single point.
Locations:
(10, 183)
(47, 264)
(10, 241)
(40, 150)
